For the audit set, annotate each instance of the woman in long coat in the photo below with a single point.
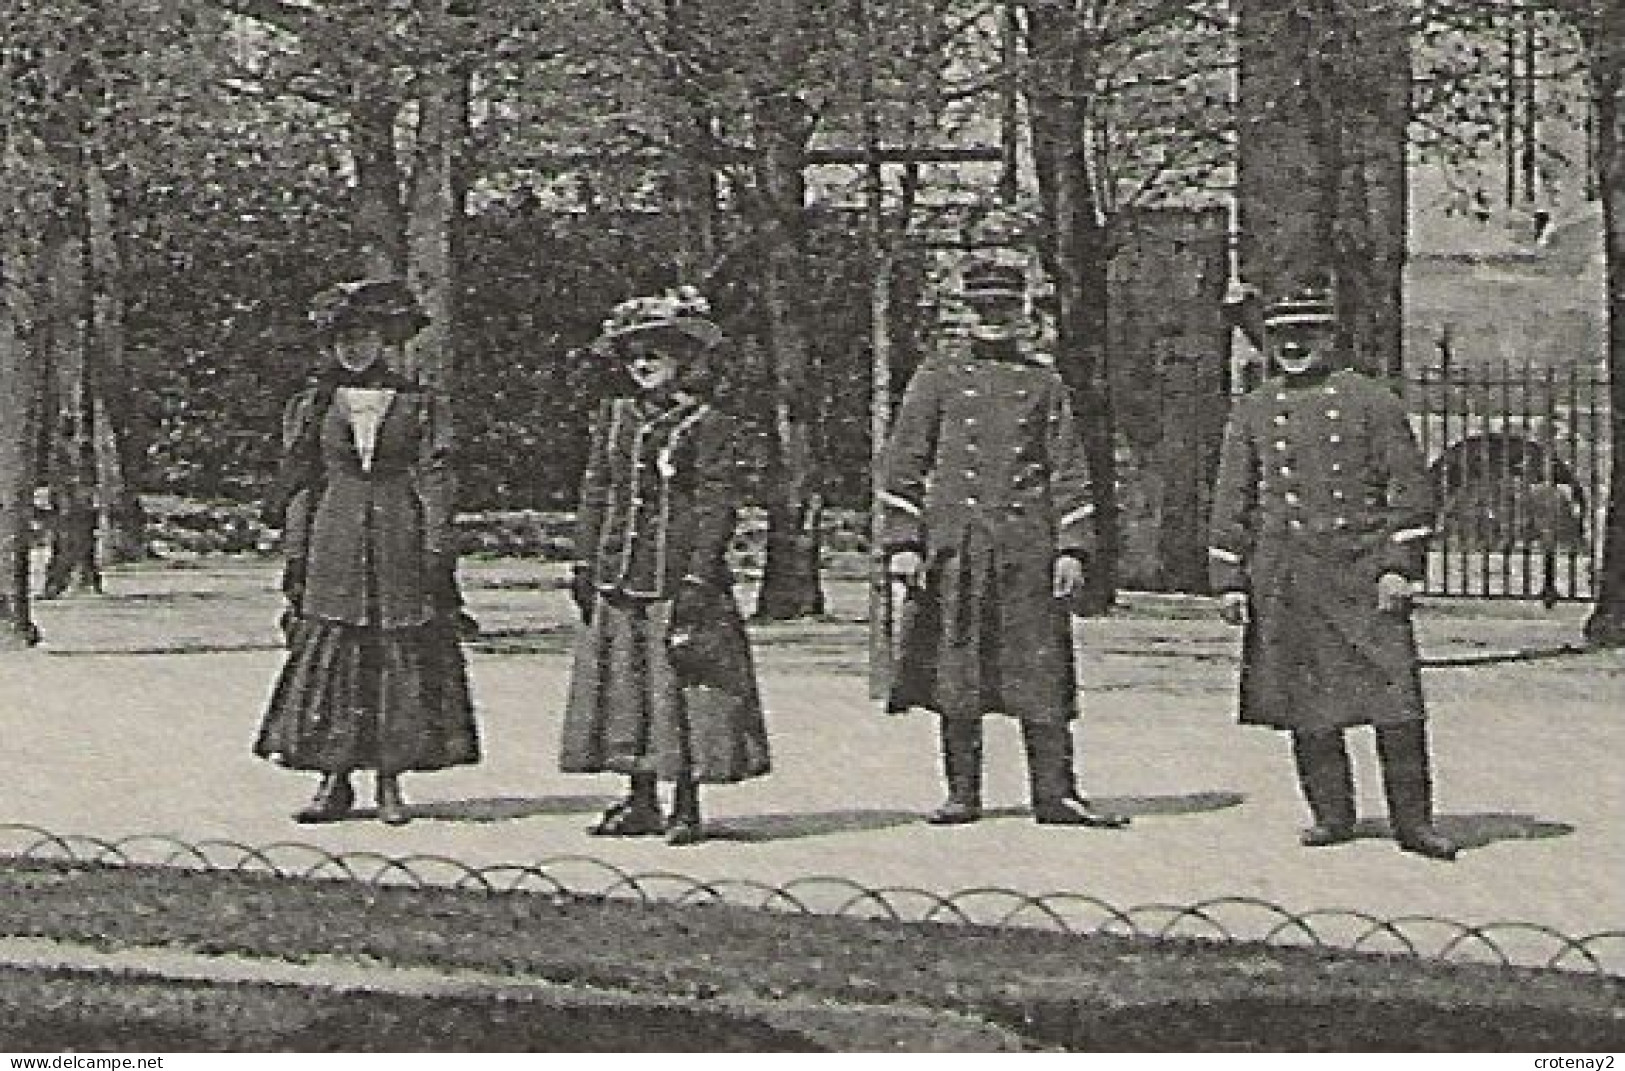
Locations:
(374, 678)
(663, 687)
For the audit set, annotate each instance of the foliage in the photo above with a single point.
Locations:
(217, 329)
(1154, 81)
(1476, 115)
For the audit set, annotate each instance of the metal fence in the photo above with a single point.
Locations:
(1222, 919)
(1519, 456)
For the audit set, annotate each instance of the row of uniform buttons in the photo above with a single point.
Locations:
(972, 447)
(1292, 498)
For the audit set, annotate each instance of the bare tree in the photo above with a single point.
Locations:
(1321, 186)
(1601, 25)
(1127, 109)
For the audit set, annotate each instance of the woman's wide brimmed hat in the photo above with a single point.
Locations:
(683, 310)
(367, 302)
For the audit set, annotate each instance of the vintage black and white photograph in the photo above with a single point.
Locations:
(829, 526)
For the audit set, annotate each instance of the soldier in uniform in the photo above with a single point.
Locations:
(989, 522)
(1321, 517)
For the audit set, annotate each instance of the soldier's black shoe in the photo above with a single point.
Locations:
(1429, 842)
(1321, 835)
(1072, 811)
(955, 813)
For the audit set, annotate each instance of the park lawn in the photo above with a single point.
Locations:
(1048, 990)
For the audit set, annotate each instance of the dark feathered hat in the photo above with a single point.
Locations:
(364, 302)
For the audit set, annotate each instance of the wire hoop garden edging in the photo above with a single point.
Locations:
(1225, 919)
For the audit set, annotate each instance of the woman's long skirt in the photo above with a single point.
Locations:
(353, 698)
(629, 712)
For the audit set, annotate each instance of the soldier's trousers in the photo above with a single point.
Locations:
(1328, 783)
(1050, 774)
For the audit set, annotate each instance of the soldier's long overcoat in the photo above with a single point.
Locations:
(985, 475)
(1321, 490)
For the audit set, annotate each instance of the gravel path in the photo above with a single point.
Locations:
(135, 718)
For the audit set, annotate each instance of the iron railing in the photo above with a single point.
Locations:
(1226, 919)
(1519, 455)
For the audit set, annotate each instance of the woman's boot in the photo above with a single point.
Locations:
(333, 801)
(684, 827)
(637, 815)
(391, 807)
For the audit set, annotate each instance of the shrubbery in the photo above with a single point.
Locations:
(182, 528)
(217, 327)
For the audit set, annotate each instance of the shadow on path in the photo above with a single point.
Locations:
(1472, 831)
(507, 808)
(1499, 658)
(770, 827)
(1186, 803)
(791, 826)
(1480, 830)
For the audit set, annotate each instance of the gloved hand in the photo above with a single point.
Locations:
(692, 605)
(907, 567)
(583, 592)
(1066, 577)
(1393, 593)
(446, 595)
(1234, 607)
(293, 580)
(287, 622)
(440, 580)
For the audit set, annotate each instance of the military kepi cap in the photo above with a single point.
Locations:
(987, 278)
(1310, 306)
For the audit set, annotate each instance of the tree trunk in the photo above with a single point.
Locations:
(435, 219)
(1323, 101)
(693, 174)
(72, 565)
(1606, 56)
(791, 584)
(20, 384)
(881, 264)
(1078, 257)
(379, 218)
(121, 525)
(881, 623)
(694, 183)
